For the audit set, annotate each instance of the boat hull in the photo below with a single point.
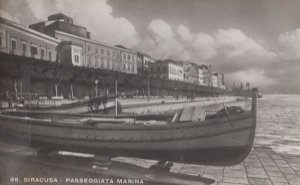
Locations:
(214, 142)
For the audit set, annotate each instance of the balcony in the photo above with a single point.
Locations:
(13, 51)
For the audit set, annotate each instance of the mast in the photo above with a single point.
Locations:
(148, 87)
(116, 100)
(254, 101)
(16, 89)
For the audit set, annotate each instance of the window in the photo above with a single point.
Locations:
(89, 62)
(96, 50)
(42, 53)
(33, 51)
(102, 63)
(13, 45)
(24, 47)
(96, 62)
(89, 48)
(128, 57)
(50, 55)
(76, 59)
(0, 41)
(102, 51)
(108, 64)
(108, 53)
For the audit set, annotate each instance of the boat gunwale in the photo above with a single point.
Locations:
(132, 126)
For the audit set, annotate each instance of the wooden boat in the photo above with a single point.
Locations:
(103, 103)
(220, 140)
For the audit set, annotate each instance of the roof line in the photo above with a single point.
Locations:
(26, 29)
(93, 41)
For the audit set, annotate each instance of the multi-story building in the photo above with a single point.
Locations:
(190, 72)
(128, 60)
(207, 75)
(60, 22)
(143, 62)
(200, 76)
(167, 69)
(214, 80)
(17, 39)
(220, 80)
(77, 47)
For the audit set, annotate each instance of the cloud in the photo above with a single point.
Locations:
(290, 44)
(163, 41)
(234, 43)
(96, 15)
(203, 46)
(161, 29)
(184, 33)
(38, 8)
(6, 15)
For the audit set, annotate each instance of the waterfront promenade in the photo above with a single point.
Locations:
(262, 167)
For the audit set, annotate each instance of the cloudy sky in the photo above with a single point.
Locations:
(256, 41)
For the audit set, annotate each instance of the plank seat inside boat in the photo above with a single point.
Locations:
(189, 114)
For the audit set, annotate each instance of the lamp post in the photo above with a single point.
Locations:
(21, 90)
(96, 87)
(116, 100)
(148, 85)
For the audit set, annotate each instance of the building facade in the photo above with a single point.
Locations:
(220, 80)
(167, 70)
(60, 22)
(200, 76)
(58, 39)
(190, 72)
(143, 62)
(77, 48)
(214, 80)
(207, 75)
(19, 40)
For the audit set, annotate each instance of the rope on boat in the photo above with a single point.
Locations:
(227, 115)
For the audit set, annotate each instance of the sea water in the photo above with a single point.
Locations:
(278, 123)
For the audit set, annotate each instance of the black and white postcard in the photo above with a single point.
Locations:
(166, 92)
